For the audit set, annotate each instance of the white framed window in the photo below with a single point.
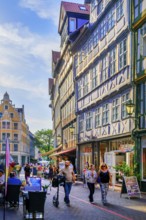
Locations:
(98, 117)
(81, 124)
(111, 19)
(119, 9)
(95, 38)
(72, 24)
(115, 110)
(122, 54)
(103, 28)
(94, 77)
(125, 98)
(112, 62)
(89, 120)
(90, 42)
(104, 69)
(105, 114)
(86, 84)
(99, 6)
(79, 88)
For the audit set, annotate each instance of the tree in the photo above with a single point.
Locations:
(43, 140)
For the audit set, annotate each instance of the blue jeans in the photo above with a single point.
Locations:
(67, 189)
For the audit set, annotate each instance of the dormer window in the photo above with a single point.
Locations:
(83, 8)
(72, 24)
(6, 107)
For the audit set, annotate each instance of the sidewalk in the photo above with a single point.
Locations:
(117, 209)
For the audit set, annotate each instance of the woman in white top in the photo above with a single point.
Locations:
(91, 177)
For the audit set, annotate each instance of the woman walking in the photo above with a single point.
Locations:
(105, 179)
(91, 177)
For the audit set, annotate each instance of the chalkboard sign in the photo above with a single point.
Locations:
(130, 186)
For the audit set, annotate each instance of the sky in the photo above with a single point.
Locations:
(28, 34)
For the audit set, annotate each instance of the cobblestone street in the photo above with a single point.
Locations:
(117, 208)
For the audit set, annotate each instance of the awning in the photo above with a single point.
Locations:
(64, 152)
(51, 151)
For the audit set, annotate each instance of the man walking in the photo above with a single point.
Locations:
(69, 179)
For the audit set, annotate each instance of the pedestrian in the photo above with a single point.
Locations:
(17, 168)
(104, 178)
(50, 175)
(91, 177)
(69, 179)
(84, 176)
(27, 171)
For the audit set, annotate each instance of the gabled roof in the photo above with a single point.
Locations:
(75, 7)
(55, 56)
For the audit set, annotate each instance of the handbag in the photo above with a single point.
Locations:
(98, 179)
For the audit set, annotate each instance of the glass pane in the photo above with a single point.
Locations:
(136, 13)
(144, 163)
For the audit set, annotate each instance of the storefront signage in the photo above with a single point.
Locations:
(131, 186)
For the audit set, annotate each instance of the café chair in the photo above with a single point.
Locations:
(35, 205)
(12, 196)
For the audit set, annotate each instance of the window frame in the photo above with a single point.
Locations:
(119, 10)
(115, 110)
(122, 53)
(98, 117)
(105, 114)
(89, 120)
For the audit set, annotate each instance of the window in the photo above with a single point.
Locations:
(94, 77)
(89, 117)
(119, 9)
(105, 114)
(95, 38)
(81, 125)
(103, 29)
(15, 126)
(15, 137)
(125, 98)
(104, 69)
(142, 104)
(122, 54)
(1, 114)
(111, 19)
(99, 6)
(115, 110)
(6, 125)
(137, 7)
(97, 118)
(90, 45)
(11, 115)
(72, 24)
(6, 107)
(112, 62)
(3, 147)
(141, 49)
(82, 8)
(15, 147)
(5, 136)
(79, 89)
(76, 61)
(85, 84)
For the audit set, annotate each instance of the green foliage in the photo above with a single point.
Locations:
(43, 140)
(124, 168)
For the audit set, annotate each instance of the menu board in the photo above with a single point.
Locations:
(132, 186)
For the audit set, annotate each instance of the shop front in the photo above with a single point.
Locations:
(143, 163)
(86, 156)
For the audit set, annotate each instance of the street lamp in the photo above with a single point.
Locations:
(72, 129)
(130, 107)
